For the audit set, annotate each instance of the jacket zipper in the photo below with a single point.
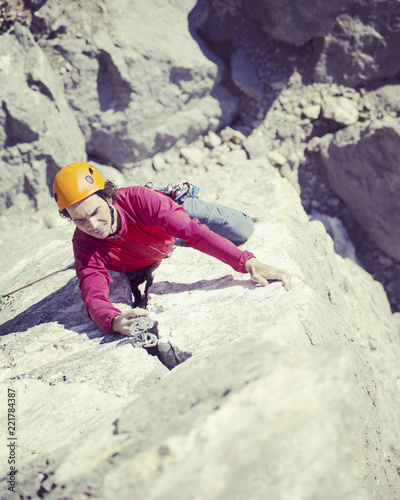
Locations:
(141, 251)
(156, 249)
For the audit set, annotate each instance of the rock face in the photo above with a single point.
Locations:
(339, 235)
(132, 86)
(295, 22)
(275, 394)
(143, 85)
(362, 45)
(38, 132)
(252, 392)
(356, 41)
(363, 169)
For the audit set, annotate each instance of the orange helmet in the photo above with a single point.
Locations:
(75, 182)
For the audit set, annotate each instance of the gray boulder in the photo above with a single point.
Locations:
(356, 41)
(137, 80)
(244, 75)
(294, 21)
(340, 109)
(386, 98)
(38, 132)
(363, 169)
(363, 45)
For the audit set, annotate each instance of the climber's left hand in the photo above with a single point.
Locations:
(260, 273)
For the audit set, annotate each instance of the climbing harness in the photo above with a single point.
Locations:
(178, 192)
(141, 337)
(137, 278)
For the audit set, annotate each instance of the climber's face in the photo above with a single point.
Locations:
(92, 216)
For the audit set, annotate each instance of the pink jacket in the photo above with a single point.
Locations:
(150, 224)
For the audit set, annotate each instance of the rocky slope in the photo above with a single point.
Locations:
(272, 394)
(275, 392)
(131, 95)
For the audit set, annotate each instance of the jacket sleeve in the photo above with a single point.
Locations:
(94, 283)
(161, 211)
(200, 237)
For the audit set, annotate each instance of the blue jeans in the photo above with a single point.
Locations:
(227, 222)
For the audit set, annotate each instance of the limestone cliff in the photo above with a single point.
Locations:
(286, 110)
(275, 393)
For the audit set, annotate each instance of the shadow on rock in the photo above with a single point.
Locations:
(166, 287)
(64, 306)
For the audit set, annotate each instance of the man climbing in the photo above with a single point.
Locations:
(131, 230)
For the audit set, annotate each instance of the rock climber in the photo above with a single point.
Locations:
(131, 230)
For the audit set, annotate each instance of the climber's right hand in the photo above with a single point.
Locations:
(122, 322)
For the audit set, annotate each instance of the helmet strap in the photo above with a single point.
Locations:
(111, 208)
(112, 219)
